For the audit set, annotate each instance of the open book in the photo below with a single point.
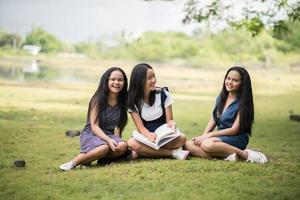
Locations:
(164, 135)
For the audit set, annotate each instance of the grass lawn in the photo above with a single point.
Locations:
(34, 118)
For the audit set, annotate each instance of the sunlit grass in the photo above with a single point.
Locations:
(34, 118)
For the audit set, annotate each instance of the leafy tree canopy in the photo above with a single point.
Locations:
(47, 41)
(254, 15)
(10, 39)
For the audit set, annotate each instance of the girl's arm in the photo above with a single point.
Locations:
(98, 131)
(210, 125)
(208, 133)
(169, 117)
(141, 128)
(168, 110)
(228, 131)
(209, 128)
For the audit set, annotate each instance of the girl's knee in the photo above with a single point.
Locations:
(180, 141)
(133, 144)
(188, 145)
(130, 142)
(208, 145)
(122, 146)
(182, 138)
(103, 149)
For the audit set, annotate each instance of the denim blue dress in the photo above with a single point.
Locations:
(226, 120)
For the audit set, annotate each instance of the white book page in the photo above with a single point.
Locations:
(141, 138)
(162, 131)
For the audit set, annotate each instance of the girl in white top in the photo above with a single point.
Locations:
(150, 108)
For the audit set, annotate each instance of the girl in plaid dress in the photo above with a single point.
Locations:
(106, 119)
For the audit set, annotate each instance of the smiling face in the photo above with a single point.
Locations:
(116, 82)
(150, 81)
(233, 81)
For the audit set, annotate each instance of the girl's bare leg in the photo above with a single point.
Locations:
(146, 151)
(196, 150)
(176, 143)
(215, 147)
(122, 148)
(97, 153)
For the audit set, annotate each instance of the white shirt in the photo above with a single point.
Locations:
(153, 112)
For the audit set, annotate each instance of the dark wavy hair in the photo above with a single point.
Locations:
(136, 87)
(246, 105)
(100, 98)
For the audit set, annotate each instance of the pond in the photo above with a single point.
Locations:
(38, 72)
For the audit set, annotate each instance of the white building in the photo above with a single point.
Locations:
(33, 49)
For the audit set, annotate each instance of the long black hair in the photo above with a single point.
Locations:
(136, 87)
(246, 106)
(100, 98)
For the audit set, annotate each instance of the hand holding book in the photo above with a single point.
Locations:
(164, 134)
(172, 125)
(151, 137)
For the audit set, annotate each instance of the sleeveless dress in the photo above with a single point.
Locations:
(226, 120)
(89, 140)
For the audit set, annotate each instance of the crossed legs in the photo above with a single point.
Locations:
(100, 152)
(213, 147)
(165, 151)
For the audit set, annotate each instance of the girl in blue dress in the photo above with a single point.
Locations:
(233, 115)
(106, 119)
(150, 107)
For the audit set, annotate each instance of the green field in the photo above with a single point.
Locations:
(34, 118)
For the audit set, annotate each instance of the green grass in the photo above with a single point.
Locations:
(33, 121)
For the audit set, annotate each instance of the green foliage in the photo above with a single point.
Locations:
(231, 46)
(251, 19)
(8, 51)
(253, 25)
(203, 49)
(40, 37)
(294, 13)
(241, 47)
(10, 40)
(89, 48)
(290, 38)
(157, 46)
(161, 46)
